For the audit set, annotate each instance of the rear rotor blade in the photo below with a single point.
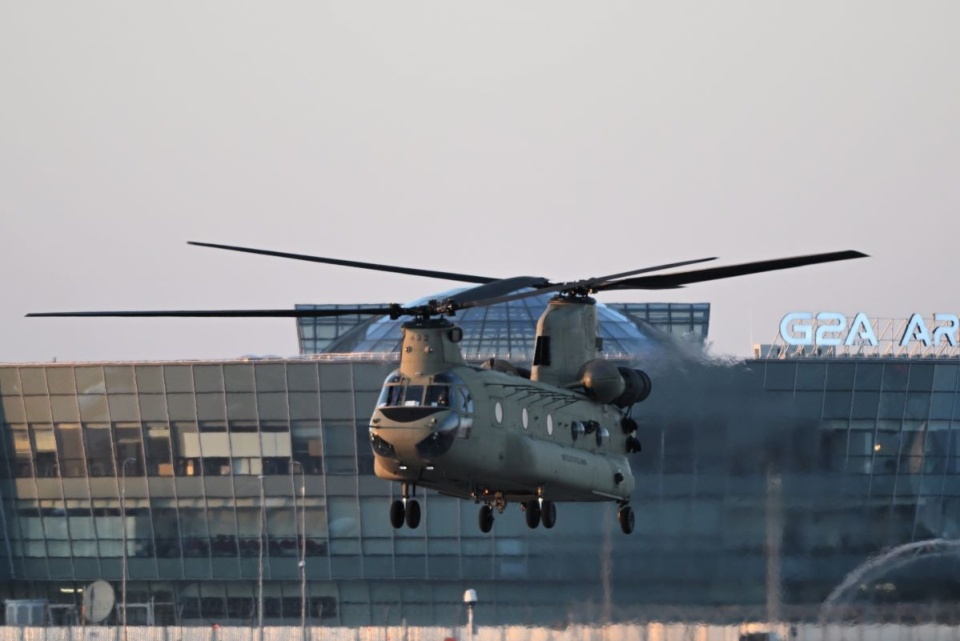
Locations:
(466, 278)
(672, 281)
(227, 313)
(586, 284)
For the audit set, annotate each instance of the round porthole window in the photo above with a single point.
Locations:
(526, 418)
(498, 412)
(550, 424)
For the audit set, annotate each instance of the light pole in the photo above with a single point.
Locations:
(302, 536)
(260, 564)
(123, 536)
(470, 598)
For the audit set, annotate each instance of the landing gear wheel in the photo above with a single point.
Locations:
(532, 513)
(625, 516)
(486, 518)
(413, 514)
(396, 514)
(548, 514)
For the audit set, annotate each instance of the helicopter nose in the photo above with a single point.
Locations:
(425, 432)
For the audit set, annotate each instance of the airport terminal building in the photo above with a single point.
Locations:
(762, 484)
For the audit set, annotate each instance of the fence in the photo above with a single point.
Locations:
(627, 632)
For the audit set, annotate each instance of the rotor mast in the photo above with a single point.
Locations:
(430, 346)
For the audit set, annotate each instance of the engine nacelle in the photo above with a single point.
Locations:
(601, 380)
(637, 387)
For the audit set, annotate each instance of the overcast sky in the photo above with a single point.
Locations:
(562, 139)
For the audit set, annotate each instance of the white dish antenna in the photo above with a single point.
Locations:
(98, 601)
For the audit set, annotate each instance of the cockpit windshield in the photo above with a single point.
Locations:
(397, 394)
(446, 390)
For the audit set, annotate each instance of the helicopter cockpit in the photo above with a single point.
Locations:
(446, 390)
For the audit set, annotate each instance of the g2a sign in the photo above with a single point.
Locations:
(831, 329)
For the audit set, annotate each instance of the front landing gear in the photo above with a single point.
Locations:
(548, 514)
(413, 514)
(397, 513)
(531, 510)
(405, 510)
(625, 516)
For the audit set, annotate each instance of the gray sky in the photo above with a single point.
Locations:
(500, 138)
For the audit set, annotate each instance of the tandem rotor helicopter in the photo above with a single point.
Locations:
(498, 434)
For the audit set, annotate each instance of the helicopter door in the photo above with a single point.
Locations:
(463, 406)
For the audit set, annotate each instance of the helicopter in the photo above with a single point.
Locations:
(497, 433)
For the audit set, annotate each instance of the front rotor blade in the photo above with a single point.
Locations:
(227, 313)
(673, 281)
(495, 289)
(466, 278)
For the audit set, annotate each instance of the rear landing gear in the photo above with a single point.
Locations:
(625, 516)
(405, 510)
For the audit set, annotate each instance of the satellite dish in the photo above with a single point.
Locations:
(98, 601)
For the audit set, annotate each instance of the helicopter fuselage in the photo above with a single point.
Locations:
(479, 433)
(471, 432)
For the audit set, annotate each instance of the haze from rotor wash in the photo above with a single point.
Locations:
(717, 417)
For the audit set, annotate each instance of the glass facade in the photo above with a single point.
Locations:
(688, 321)
(190, 475)
(315, 335)
(508, 330)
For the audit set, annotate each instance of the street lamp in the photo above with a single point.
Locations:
(123, 536)
(260, 564)
(302, 535)
(470, 599)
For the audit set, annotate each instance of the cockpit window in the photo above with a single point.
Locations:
(394, 395)
(392, 392)
(391, 395)
(414, 395)
(445, 390)
(438, 396)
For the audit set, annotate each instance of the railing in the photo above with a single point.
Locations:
(653, 631)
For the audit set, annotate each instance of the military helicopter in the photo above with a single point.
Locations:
(497, 433)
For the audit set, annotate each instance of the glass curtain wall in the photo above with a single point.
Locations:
(190, 474)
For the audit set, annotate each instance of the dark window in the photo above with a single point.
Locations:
(541, 352)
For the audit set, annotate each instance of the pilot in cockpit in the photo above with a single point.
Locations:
(438, 396)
